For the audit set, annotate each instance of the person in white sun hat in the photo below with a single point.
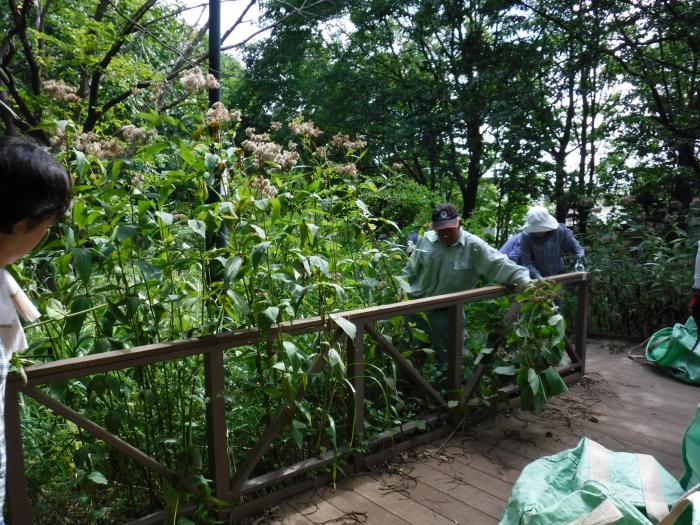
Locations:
(543, 242)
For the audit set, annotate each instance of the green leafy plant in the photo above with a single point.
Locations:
(535, 346)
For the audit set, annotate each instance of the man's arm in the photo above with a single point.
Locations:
(497, 267)
(526, 257)
(409, 270)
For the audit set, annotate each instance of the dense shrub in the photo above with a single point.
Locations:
(402, 201)
(642, 269)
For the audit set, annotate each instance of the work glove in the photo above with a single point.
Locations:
(580, 264)
(694, 306)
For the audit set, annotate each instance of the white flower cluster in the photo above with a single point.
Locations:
(135, 134)
(157, 91)
(262, 137)
(342, 141)
(274, 125)
(397, 165)
(265, 152)
(307, 129)
(58, 141)
(90, 144)
(263, 185)
(287, 160)
(349, 170)
(218, 114)
(59, 90)
(137, 180)
(193, 80)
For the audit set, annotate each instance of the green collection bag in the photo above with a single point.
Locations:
(590, 485)
(690, 453)
(670, 348)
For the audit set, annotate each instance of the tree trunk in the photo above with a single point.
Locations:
(475, 146)
(560, 199)
(683, 190)
(581, 204)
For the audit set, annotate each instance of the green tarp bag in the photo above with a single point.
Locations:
(690, 453)
(670, 348)
(590, 485)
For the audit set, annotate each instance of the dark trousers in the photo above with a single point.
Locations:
(437, 327)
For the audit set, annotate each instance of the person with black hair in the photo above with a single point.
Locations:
(36, 192)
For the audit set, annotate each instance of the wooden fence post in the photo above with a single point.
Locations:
(455, 333)
(582, 323)
(217, 434)
(17, 496)
(356, 373)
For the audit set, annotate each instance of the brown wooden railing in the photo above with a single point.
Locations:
(232, 488)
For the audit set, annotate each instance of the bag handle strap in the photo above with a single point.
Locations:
(597, 462)
(691, 497)
(604, 514)
(653, 492)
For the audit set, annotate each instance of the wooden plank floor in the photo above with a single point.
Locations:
(466, 479)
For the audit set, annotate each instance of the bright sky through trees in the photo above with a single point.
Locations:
(198, 14)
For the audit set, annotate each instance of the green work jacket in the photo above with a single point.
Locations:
(436, 269)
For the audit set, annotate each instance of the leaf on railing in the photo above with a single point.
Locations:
(268, 317)
(346, 326)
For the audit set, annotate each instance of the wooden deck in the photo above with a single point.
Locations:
(466, 479)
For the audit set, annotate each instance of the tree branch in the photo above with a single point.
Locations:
(7, 79)
(96, 77)
(20, 19)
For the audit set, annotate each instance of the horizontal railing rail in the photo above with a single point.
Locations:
(229, 487)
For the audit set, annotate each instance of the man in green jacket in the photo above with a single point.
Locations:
(448, 259)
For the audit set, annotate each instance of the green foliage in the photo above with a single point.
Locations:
(536, 346)
(403, 201)
(444, 93)
(132, 266)
(641, 264)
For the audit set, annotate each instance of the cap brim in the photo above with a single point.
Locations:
(447, 223)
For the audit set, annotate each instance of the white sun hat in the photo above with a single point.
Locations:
(538, 219)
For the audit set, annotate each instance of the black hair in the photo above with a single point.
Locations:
(33, 185)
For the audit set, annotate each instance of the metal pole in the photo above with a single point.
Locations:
(215, 48)
(214, 361)
(219, 239)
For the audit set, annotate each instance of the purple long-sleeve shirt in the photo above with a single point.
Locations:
(542, 255)
(512, 248)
